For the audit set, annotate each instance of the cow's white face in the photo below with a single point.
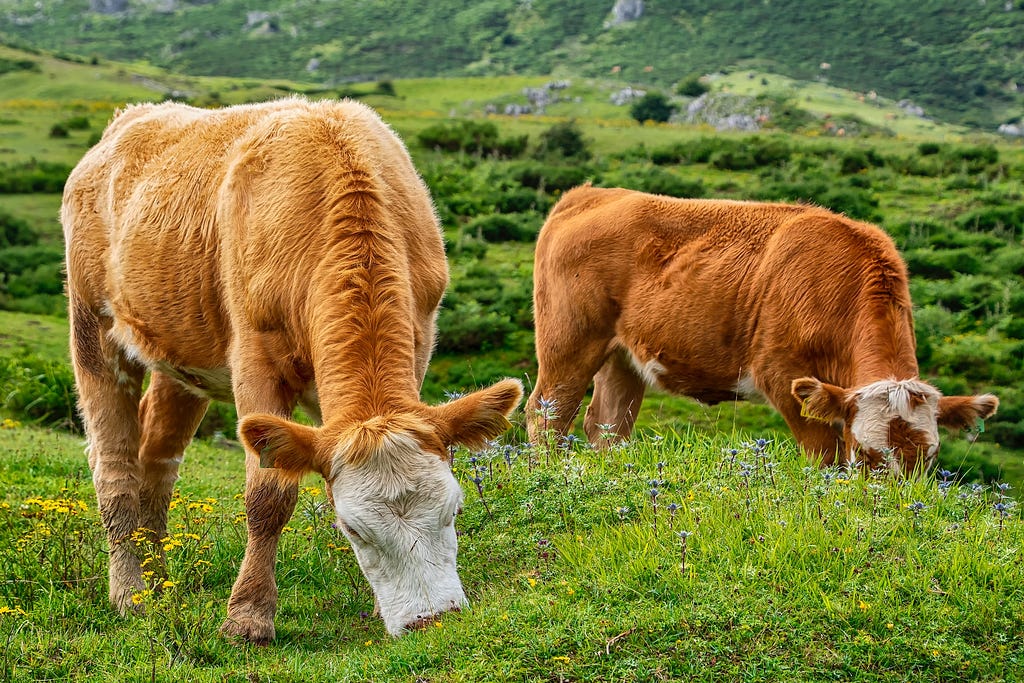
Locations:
(894, 425)
(398, 509)
(890, 423)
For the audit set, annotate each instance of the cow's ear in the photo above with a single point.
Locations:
(820, 401)
(965, 412)
(289, 448)
(472, 420)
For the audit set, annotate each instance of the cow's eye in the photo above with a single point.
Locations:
(351, 532)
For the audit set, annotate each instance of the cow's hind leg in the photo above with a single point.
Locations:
(618, 393)
(269, 504)
(169, 414)
(109, 387)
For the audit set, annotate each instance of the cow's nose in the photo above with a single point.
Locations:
(420, 623)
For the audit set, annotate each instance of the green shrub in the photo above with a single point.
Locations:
(77, 123)
(549, 177)
(473, 137)
(692, 87)
(943, 264)
(653, 106)
(505, 227)
(655, 180)
(1004, 219)
(58, 130)
(564, 140)
(522, 199)
(39, 390)
(14, 232)
(468, 327)
(33, 176)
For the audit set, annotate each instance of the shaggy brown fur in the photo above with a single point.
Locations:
(271, 254)
(716, 300)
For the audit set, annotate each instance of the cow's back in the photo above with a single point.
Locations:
(707, 288)
(179, 216)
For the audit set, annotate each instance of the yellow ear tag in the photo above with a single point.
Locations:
(266, 457)
(804, 412)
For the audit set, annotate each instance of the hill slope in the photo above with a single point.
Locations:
(961, 62)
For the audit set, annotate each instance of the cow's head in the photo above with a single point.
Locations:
(891, 423)
(393, 490)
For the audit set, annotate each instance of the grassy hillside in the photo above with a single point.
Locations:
(676, 558)
(961, 62)
(952, 201)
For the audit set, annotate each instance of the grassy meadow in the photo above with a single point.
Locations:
(675, 558)
(708, 548)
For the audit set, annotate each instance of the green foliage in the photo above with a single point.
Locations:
(574, 570)
(653, 106)
(38, 390)
(550, 177)
(654, 180)
(469, 327)
(32, 176)
(505, 227)
(59, 130)
(692, 86)
(14, 65)
(564, 140)
(942, 264)
(472, 137)
(14, 232)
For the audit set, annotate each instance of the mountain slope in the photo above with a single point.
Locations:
(961, 61)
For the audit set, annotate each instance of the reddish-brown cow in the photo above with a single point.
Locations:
(720, 300)
(271, 255)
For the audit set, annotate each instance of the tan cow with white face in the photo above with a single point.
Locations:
(272, 255)
(720, 300)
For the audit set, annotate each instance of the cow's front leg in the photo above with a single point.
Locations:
(269, 504)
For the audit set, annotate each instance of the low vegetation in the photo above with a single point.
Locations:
(683, 557)
(708, 548)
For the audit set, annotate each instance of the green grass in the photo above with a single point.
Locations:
(790, 573)
(37, 334)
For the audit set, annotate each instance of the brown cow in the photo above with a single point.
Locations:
(720, 300)
(271, 255)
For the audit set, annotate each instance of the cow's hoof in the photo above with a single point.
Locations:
(249, 629)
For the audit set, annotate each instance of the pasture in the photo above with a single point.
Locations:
(708, 548)
(680, 557)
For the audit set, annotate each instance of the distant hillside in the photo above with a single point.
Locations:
(960, 61)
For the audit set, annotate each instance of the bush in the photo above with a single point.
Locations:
(943, 264)
(33, 176)
(468, 327)
(505, 227)
(565, 140)
(652, 107)
(473, 137)
(691, 87)
(14, 232)
(522, 199)
(59, 131)
(77, 123)
(39, 390)
(655, 180)
(550, 178)
(1003, 219)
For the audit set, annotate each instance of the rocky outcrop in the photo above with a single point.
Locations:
(726, 112)
(108, 6)
(626, 10)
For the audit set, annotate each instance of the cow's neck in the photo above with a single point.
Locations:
(884, 346)
(362, 331)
